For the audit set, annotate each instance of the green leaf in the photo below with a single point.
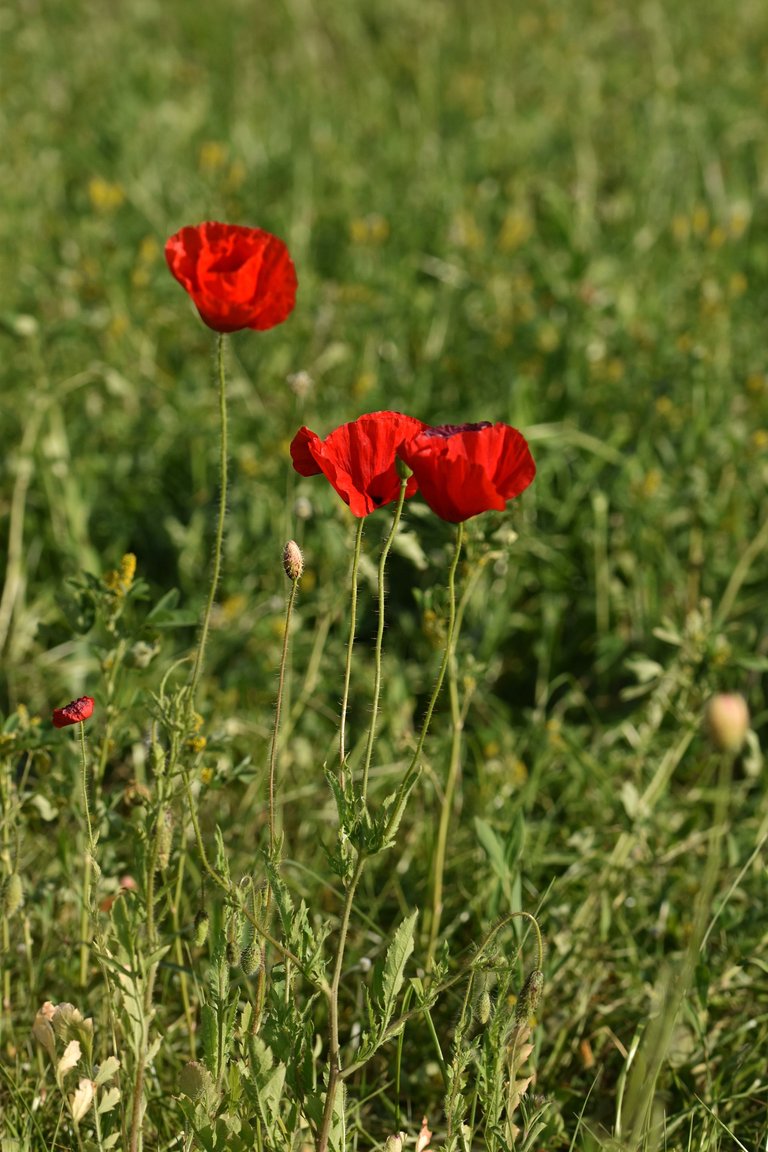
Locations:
(107, 1070)
(389, 980)
(108, 1100)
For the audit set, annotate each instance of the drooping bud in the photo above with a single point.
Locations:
(394, 1143)
(727, 721)
(530, 994)
(293, 561)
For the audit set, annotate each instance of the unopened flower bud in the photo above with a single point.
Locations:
(293, 561)
(195, 1080)
(202, 923)
(250, 961)
(13, 894)
(727, 720)
(394, 1143)
(530, 994)
(164, 838)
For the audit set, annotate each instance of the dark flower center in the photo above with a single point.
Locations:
(446, 430)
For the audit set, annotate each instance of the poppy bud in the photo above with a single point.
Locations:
(13, 894)
(250, 961)
(293, 561)
(529, 996)
(727, 721)
(202, 923)
(164, 838)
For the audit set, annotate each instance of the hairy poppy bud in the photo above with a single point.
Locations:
(293, 561)
(164, 838)
(202, 923)
(727, 720)
(250, 961)
(530, 995)
(12, 894)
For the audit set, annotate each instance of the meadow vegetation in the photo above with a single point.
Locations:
(553, 215)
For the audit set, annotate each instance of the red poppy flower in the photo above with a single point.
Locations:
(74, 713)
(466, 469)
(359, 458)
(237, 277)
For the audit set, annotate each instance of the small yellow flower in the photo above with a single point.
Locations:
(681, 228)
(700, 220)
(717, 237)
(516, 229)
(104, 195)
(206, 775)
(119, 580)
(212, 156)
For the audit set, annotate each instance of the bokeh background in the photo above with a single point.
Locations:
(553, 214)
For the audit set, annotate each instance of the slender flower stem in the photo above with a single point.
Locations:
(350, 646)
(278, 710)
(410, 775)
(458, 715)
(379, 637)
(218, 545)
(448, 652)
(334, 1060)
(85, 911)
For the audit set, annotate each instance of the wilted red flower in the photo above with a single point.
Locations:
(466, 469)
(359, 458)
(238, 277)
(74, 713)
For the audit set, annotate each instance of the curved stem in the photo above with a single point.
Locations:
(218, 545)
(350, 646)
(379, 638)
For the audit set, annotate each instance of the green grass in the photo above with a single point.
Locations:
(553, 215)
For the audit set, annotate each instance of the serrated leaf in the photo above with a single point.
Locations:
(107, 1069)
(388, 983)
(108, 1100)
(69, 1059)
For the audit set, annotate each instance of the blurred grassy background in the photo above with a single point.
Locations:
(554, 215)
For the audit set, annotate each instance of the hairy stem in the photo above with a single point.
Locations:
(379, 638)
(350, 647)
(219, 542)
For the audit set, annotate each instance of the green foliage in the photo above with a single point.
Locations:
(552, 215)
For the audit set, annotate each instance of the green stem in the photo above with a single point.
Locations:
(278, 709)
(85, 911)
(350, 646)
(379, 638)
(219, 542)
(448, 652)
(408, 778)
(334, 1061)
